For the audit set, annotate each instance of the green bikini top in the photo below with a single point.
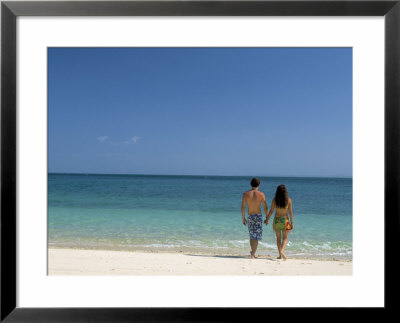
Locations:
(282, 208)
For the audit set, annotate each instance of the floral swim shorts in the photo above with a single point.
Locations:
(254, 223)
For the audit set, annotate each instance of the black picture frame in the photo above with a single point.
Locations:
(10, 10)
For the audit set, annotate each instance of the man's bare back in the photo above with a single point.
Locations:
(253, 199)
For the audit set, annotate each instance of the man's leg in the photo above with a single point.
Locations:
(253, 244)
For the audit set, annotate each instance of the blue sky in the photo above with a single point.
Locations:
(200, 111)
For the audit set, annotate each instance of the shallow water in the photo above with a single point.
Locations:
(199, 213)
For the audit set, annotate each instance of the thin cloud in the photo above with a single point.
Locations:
(135, 139)
(132, 141)
(102, 139)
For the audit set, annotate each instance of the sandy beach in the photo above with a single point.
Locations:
(109, 262)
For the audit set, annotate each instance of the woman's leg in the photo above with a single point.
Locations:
(284, 242)
(278, 242)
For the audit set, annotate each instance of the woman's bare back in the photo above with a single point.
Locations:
(281, 212)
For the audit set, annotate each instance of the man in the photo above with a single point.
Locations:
(254, 198)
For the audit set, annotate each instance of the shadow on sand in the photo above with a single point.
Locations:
(232, 257)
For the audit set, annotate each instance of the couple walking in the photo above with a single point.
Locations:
(281, 203)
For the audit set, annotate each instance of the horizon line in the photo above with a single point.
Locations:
(201, 175)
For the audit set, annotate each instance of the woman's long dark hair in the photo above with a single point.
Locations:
(281, 196)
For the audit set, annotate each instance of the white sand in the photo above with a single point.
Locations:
(104, 262)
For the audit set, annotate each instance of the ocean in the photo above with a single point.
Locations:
(196, 214)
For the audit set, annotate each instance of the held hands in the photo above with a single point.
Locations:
(266, 222)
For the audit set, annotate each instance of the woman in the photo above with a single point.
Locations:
(283, 205)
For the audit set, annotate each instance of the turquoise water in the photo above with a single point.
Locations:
(194, 213)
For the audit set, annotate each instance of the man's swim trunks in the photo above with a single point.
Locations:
(281, 223)
(254, 223)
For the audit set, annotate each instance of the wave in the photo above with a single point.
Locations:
(301, 249)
